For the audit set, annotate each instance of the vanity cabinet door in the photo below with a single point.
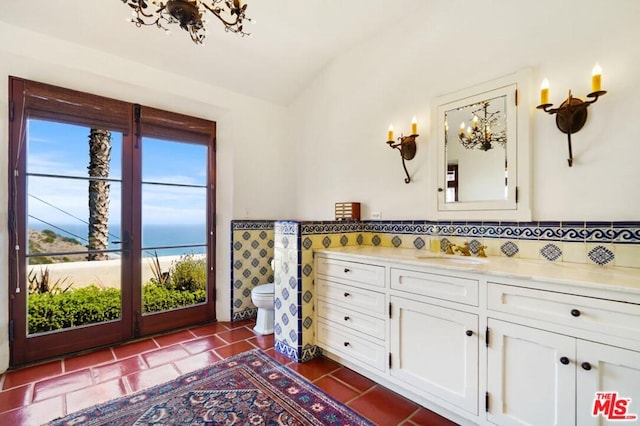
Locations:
(434, 351)
(606, 369)
(531, 376)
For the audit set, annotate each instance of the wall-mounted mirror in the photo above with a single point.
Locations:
(481, 152)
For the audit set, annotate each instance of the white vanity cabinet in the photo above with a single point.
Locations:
(351, 311)
(504, 343)
(527, 383)
(551, 376)
(434, 349)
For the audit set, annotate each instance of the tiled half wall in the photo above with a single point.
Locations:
(251, 254)
(291, 243)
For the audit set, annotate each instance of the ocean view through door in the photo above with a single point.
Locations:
(111, 221)
(174, 233)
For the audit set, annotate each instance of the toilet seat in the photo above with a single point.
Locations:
(264, 289)
(263, 297)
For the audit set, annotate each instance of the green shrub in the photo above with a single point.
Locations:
(159, 298)
(73, 308)
(189, 273)
(89, 305)
(49, 233)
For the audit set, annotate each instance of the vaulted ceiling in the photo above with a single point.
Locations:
(291, 40)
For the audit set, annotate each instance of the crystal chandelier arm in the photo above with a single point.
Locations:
(234, 10)
(139, 7)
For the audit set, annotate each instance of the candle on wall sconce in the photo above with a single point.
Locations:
(406, 145)
(596, 78)
(572, 113)
(544, 92)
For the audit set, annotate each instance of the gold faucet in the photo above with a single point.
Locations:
(464, 250)
(481, 252)
(449, 249)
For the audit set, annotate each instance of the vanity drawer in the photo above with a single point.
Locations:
(461, 290)
(586, 313)
(362, 273)
(351, 319)
(350, 345)
(363, 300)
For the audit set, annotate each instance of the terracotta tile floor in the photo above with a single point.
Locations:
(37, 394)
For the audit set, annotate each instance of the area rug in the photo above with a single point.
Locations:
(246, 389)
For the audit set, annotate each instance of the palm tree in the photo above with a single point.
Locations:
(99, 158)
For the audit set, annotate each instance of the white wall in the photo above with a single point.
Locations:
(341, 119)
(251, 137)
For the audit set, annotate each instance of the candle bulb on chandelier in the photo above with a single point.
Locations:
(596, 78)
(462, 128)
(475, 122)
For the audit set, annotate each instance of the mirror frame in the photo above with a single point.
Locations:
(517, 205)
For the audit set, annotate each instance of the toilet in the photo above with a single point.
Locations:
(262, 297)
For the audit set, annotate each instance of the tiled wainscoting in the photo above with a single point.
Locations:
(291, 243)
(251, 254)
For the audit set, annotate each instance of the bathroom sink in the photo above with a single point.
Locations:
(464, 260)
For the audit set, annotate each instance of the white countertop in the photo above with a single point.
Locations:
(575, 274)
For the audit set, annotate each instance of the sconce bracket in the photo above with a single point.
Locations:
(407, 148)
(571, 115)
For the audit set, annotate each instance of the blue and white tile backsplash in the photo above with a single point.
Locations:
(255, 243)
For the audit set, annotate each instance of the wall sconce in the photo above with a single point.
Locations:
(406, 145)
(572, 113)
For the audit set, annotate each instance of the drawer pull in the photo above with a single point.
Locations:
(347, 270)
(346, 318)
(469, 332)
(586, 366)
(346, 344)
(346, 294)
(564, 360)
(575, 313)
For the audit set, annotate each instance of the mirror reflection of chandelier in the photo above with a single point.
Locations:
(480, 134)
(190, 15)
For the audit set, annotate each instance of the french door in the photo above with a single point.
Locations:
(110, 221)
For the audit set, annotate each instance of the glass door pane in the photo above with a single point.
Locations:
(73, 209)
(174, 225)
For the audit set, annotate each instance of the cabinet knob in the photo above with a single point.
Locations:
(564, 360)
(586, 366)
(346, 318)
(347, 270)
(575, 313)
(346, 344)
(440, 190)
(346, 294)
(469, 332)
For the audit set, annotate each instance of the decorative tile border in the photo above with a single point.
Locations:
(253, 225)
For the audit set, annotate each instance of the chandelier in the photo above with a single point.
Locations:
(189, 14)
(479, 134)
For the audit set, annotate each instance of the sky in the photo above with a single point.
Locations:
(63, 149)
